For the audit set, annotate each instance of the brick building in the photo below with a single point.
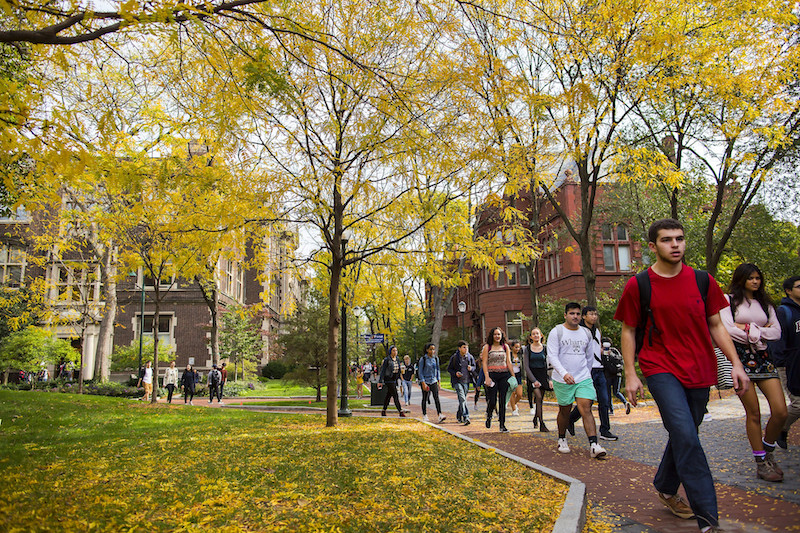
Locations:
(73, 291)
(499, 301)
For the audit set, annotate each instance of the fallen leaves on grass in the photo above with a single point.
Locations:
(113, 465)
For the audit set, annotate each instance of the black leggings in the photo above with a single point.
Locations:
(188, 394)
(391, 393)
(433, 389)
(170, 390)
(500, 387)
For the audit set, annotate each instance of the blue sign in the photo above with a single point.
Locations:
(373, 338)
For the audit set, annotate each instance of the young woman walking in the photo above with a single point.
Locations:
(751, 322)
(516, 363)
(496, 363)
(534, 360)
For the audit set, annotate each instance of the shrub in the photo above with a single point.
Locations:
(235, 388)
(275, 369)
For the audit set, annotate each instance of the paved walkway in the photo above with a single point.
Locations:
(620, 487)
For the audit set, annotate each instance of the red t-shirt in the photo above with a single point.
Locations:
(683, 348)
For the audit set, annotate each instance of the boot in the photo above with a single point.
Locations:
(770, 458)
(383, 413)
(765, 471)
(542, 427)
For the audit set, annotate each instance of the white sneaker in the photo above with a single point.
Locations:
(515, 412)
(191, 402)
(597, 451)
(707, 417)
(220, 403)
(425, 418)
(563, 447)
(533, 410)
(441, 418)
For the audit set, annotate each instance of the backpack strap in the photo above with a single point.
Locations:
(645, 292)
(703, 281)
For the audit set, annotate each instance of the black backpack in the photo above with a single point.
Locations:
(645, 291)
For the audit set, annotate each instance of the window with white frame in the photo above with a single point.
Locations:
(551, 260)
(616, 248)
(12, 265)
(513, 325)
(523, 275)
(165, 327)
(166, 279)
(501, 276)
(76, 283)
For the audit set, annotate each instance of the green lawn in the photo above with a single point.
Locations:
(82, 463)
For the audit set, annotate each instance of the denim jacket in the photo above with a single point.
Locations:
(428, 370)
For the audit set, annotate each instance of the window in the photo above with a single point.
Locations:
(77, 284)
(166, 280)
(511, 275)
(164, 327)
(608, 234)
(486, 283)
(551, 260)
(513, 325)
(608, 258)
(12, 265)
(501, 276)
(622, 232)
(624, 255)
(523, 275)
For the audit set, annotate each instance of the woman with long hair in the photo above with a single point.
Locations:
(188, 380)
(496, 363)
(407, 370)
(751, 322)
(389, 376)
(516, 363)
(534, 360)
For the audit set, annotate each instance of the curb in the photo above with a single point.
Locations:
(573, 513)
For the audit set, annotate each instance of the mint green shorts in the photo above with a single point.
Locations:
(566, 394)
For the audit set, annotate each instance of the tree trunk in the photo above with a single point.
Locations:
(589, 277)
(334, 319)
(155, 338)
(105, 340)
(211, 297)
(440, 299)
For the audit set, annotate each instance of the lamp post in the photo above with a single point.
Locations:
(414, 341)
(462, 306)
(141, 331)
(344, 410)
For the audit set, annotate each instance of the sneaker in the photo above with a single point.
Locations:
(425, 418)
(533, 410)
(765, 471)
(627, 408)
(610, 412)
(607, 435)
(459, 419)
(563, 447)
(677, 506)
(442, 418)
(466, 421)
(402, 414)
(781, 441)
(503, 429)
(515, 412)
(596, 451)
(220, 403)
(707, 417)
(191, 402)
(383, 413)
(770, 458)
(488, 422)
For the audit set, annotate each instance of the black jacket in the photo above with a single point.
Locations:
(187, 380)
(786, 350)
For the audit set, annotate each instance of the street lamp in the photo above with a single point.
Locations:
(344, 410)
(462, 306)
(414, 341)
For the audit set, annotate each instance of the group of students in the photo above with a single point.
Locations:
(217, 377)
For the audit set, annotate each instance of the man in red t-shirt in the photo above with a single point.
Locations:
(677, 358)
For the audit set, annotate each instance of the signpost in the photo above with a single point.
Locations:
(373, 338)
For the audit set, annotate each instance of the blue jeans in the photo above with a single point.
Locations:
(682, 412)
(407, 391)
(461, 390)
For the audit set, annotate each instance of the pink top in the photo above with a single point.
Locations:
(762, 328)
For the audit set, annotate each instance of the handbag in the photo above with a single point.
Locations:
(724, 368)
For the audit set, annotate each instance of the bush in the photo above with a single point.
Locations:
(275, 369)
(234, 388)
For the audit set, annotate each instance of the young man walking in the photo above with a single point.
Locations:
(460, 368)
(570, 352)
(678, 360)
(589, 320)
(786, 352)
